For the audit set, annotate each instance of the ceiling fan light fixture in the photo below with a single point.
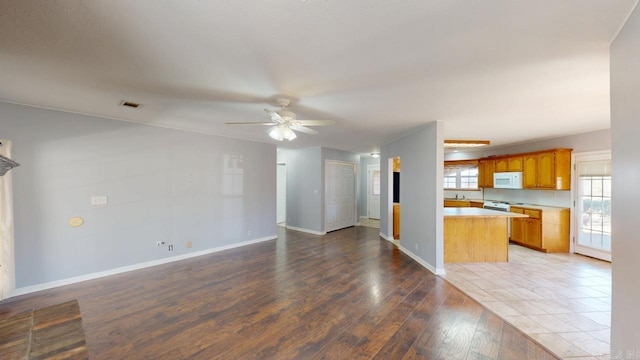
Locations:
(288, 134)
(276, 133)
(282, 132)
(465, 143)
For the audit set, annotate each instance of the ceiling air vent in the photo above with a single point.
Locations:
(130, 104)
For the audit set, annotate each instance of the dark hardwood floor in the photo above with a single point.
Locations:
(345, 295)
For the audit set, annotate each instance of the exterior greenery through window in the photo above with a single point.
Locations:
(461, 174)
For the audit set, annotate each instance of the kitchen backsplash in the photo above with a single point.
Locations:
(539, 197)
(468, 194)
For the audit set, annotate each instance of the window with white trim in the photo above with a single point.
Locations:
(461, 175)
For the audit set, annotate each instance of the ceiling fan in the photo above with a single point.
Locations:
(284, 123)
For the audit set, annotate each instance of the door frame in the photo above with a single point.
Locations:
(370, 169)
(575, 218)
(355, 190)
(284, 164)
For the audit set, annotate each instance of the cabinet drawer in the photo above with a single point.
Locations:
(534, 214)
(517, 210)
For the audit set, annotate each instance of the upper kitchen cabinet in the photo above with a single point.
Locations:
(486, 168)
(511, 163)
(515, 163)
(547, 170)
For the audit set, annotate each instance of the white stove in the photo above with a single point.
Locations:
(497, 205)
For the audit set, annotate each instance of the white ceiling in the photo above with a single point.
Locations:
(504, 70)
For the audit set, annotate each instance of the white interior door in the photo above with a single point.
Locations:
(373, 198)
(593, 205)
(281, 196)
(340, 200)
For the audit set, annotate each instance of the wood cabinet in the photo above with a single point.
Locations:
(486, 168)
(396, 221)
(517, 226)
(511, 163)
(476, 204)
(547, 170)
(457, 203)
(545, 230)
(502, 165)
(396, 164)
(515, 163)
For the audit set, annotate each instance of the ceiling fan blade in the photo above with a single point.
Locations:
(315, 122)
(303, 129)
(252, 123)
(274, 116)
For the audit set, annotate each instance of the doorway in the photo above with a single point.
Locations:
(7, 268)
(593, 204)
(373, 191)
(281, 194)
(340, 199)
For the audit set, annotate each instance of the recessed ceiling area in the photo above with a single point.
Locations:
(505, 71)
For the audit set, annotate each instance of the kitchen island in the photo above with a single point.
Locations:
(476, 235)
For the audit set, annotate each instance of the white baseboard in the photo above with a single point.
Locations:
(100, 274)
(388, 238)
(420, 261)
(307, 230)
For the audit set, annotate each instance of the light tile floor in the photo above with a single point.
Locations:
(375, 223)
(561, 300)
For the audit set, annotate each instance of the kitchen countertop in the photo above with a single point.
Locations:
(537, 207)
(478, 212)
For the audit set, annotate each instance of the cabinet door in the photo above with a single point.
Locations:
(485, 175)
(547, 170)
(396, 221)
(517, 226)
(456, 203)
(530, 169)
(502, 165)
(533, 232)
(515, 163)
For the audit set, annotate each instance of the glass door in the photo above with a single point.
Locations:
(593, 205)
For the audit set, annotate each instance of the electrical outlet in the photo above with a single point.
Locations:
(159, 243)
(248, 232)
(417, 247)
(99, 200)
(170, 247)
(189, 244)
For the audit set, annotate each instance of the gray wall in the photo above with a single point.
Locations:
(362, 183)
(421, 195)
(625, 127)
(591, 141)
(305, 184)
(304, 188)
(162, 185)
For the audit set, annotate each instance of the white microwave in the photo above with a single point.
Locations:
(507, 180)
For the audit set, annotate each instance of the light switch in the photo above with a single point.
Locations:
(98, 200)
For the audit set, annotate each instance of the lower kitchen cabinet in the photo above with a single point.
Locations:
(457, 203)
(396, 221)
(544, 230)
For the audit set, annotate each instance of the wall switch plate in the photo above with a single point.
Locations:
(99, 200)
(189, 244)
